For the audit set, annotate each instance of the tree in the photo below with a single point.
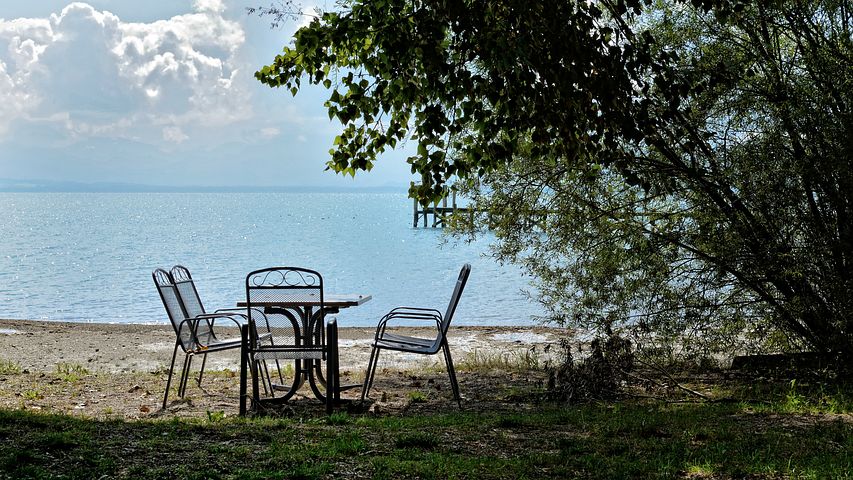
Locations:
(678, 168)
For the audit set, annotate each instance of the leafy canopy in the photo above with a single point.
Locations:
(679, 168)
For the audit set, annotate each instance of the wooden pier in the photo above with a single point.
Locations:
(439, 213)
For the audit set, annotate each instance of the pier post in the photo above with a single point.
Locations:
(439, 211)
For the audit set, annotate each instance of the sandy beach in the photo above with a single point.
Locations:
(121, 369)
(120, 348)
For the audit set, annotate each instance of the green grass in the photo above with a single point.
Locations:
(514, 361)
(8, 367)
(788, 429)
(71, 372)
(417, 396)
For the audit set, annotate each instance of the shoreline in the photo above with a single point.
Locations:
(39, 346)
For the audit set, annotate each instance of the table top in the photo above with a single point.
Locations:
(332, 300)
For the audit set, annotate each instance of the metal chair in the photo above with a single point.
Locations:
(193, 307)
(291, 299)
(194, 334)
(425, 346)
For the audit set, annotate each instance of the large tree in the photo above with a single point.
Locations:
(680, 168)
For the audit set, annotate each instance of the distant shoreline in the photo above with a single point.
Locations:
(73, 187)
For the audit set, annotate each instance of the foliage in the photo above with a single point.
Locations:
(598, 376)
(680, 169)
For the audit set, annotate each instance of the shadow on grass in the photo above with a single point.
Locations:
(605, 440)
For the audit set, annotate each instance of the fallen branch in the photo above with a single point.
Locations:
(671, 379)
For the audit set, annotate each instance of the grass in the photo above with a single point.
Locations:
(417, 396)
(8, 367)
(514, 361)
(785, 430)
(71, 372)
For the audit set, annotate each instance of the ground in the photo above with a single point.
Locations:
(121, 370)
(83, 401)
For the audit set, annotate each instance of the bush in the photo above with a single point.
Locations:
(601, 375)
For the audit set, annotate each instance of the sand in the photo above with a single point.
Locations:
(120, 348)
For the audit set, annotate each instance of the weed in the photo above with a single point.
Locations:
(338, 418)
(417, 396)
(31, 394)
(8, 367)
(515, 361)
(794, 401)
(58, 440)
(215, 417)
(509, 422)
(71, 372)
(421, 440)
(346, 444)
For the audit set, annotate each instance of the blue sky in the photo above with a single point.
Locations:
(159, 92)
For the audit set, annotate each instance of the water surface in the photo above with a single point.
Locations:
(89, 256)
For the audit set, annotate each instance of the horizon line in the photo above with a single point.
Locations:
(8, 185)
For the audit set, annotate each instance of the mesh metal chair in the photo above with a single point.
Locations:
(291, 299)
(424, 346)
(194, 334)
(193, 307)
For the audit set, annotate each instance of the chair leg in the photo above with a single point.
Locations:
(269, 379)
(365, 385)
(375, 366)
(201, 372)
(371, 370)
(262, 369)
(280, 376)
(185, 375)
(171, 370)
(452, 373)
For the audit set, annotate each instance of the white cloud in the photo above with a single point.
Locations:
(174, 135)
(213, 6)
(270, 132)
(106, 77)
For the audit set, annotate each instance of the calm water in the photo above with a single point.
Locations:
(89, 256)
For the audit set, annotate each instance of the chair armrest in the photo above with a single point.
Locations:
(233, 317)
(194, 322)
(408, 313)
(415, 310)
(237, 311)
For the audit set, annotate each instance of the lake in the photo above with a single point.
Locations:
(88, 257)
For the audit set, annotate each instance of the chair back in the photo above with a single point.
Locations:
(454, 299)
(172, 302)
(300, 287)
(188, 295)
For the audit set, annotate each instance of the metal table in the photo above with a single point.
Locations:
(309, 370)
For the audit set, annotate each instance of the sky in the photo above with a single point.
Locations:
(160, 92)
